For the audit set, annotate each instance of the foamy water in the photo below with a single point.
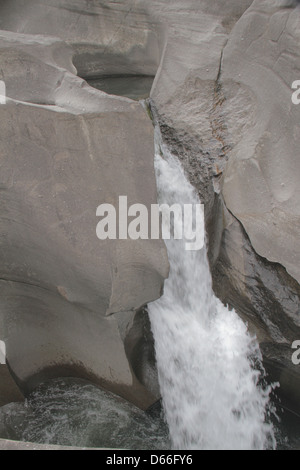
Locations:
(212, 395)
(72, 412)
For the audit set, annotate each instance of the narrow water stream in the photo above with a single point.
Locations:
(209, 366)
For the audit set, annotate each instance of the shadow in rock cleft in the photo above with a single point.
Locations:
(134, 87)
(130, 73)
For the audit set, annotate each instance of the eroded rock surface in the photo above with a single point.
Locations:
(222, 96)
(261, 185)
(65, 149)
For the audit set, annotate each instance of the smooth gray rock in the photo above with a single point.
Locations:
(65, 149)
(180, 42)
(256, 262)
(107, 37)
(261, 184)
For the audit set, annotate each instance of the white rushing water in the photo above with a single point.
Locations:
(210, 388)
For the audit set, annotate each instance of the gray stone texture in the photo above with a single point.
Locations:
(65, 149)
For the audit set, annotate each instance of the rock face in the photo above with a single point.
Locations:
(261, 187)
(222, 97)
(65, 149)
(260, 249)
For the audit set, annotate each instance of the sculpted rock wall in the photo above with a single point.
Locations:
(223, 98)
(259, 256)
(261, 184)
(65, 149)
(107, 37)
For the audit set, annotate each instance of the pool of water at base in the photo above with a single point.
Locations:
(72, 412)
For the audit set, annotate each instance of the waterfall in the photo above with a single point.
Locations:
(211, 389)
